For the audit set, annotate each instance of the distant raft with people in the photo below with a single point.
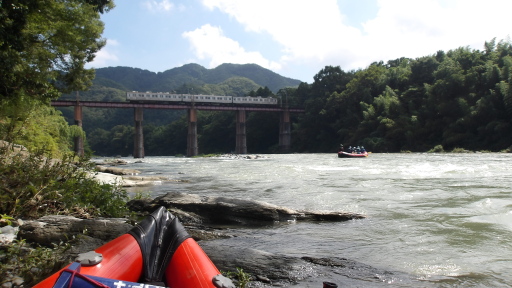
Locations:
(352, 155)
(352, 152)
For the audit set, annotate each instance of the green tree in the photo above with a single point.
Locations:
(217, 132)
(44, 47)
(48, 44)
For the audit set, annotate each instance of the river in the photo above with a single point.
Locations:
(444, 218)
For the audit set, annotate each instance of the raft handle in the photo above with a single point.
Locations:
(90, 258)
(221, 281)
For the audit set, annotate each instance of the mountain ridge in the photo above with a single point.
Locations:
(189, 75)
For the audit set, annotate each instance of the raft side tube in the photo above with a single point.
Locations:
(122, 259)
(190, 267)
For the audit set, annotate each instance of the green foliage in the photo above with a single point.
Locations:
(227, 77)
(32, 185)
(140, 195)
(76, 131)
(262, 91)
(460, 150)
(437, 149)
(25, 122)
(5, 220)
(47, 46)
(43, 51)
(217, 134)
(240, 277)
(32, 264)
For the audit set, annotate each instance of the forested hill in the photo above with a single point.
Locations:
(458, 100)
(192, 75)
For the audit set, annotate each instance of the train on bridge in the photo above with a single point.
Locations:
(166, 97)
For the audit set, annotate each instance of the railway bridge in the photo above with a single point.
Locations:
(192, 148)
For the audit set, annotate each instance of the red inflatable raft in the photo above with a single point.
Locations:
(157, 252)
(342, 154)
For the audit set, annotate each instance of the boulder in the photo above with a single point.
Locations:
(288, 271)
(224, 210)
(56, 228)
(117, 171)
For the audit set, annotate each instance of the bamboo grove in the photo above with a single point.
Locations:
(458, 99)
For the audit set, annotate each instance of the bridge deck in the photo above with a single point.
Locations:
(220, 107)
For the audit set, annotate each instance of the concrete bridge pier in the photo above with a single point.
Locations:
(138, 138)
(192, 149)
(284, 131)
(241, 136)
(79, 140)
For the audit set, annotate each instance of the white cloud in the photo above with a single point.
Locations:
(106, 55)
(316, 33)
(413, 29)
(209, 43)
(305, 29)
(159, 6)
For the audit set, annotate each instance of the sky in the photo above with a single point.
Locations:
(294, 38)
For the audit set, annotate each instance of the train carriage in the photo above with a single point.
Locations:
(136, 96)
(207, 98)
(153, 96)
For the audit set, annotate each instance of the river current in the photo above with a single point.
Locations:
(443, 218)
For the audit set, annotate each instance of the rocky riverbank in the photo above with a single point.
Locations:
(110, 170)
(203, 218)
(201, 215)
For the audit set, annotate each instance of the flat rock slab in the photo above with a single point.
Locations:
(229, 211)
(117, 171)
(276, 270)
(55, 228)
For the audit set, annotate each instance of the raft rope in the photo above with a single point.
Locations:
(76, 273)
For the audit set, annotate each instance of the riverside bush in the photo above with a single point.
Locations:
(437, 149)
(32, 264)
(33, 184)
